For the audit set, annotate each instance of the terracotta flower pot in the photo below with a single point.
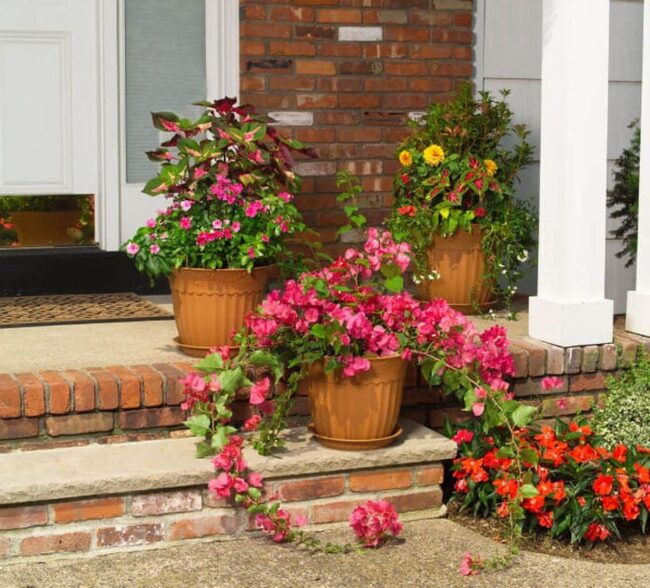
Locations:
(42, 228)
(361, 412)
(210, 304)
(460, 261)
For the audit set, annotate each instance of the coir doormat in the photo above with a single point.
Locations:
(24, 311)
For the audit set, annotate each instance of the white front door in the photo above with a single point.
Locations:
(48, 97)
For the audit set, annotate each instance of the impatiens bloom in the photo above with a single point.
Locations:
(374, 521)
(596, 533)
(463, 436)
(132, 248)
(603, 485)
(185, 223)
(154, 249)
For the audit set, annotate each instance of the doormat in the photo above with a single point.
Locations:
(62, 309)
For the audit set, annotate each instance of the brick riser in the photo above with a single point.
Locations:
(113, 523)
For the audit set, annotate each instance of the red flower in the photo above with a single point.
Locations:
(506, 487)
(643, 474)
(534, 504)
(581, 500)
(463, 436)
(603, 485)
(408, 210)
(559, 494)
(610, 503)
(545, 519)
(583, 453)
(405, 178)
(620, 453)
(596, 532)
(479, 212)
(503, 510)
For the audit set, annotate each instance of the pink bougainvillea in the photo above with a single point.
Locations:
(375, 521)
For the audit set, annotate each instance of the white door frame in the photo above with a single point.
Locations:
(222, 78)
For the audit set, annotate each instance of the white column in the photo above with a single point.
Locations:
(570, 308)
(638, 301)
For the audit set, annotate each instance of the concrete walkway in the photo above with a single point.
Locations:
(429, 555)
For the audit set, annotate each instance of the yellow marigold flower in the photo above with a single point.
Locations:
(490, 167)
(405, 158)
(434, 155)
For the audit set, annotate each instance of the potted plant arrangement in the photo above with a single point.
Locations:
(230, 190)
(46, 220)
(454, 201)
(346, 333)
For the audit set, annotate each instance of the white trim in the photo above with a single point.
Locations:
(222, 48)
(107, 203)
(638, 301)
(221, 77)
(479, 45)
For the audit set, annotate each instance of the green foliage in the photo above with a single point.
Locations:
(457, 174)
(623, 199)
(625, 418)
(9, 204)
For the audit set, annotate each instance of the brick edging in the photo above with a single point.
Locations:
(122, 403)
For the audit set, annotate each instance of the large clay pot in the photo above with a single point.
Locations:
(210, 304)
(361, 412)
(460, 261)
(42, 228)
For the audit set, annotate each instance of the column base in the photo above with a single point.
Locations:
(637, 318)
(571, 324)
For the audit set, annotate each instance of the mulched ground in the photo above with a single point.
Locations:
(633, 549)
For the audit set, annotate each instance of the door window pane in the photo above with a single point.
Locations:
(165, 71)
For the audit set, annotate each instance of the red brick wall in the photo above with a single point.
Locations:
(348, 97)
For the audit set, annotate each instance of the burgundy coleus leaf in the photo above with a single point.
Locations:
(224, 105)
(160, 155)
(165, 121)
(171, 142)
(285, 154)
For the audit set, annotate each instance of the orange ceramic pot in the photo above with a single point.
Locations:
(43, 228)
(361, 412)
(460, 261)
(209, 305)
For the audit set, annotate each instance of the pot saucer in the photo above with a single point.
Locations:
(191, 350)
(355, 444)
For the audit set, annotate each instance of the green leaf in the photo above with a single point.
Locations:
(203, 449)
(155, 187)
(254, 493)
(394, 284)
(529, 491)
(199, 424)
(529, 456)
(318, 331)
(523, 415)
(231, 380)
(219, 439)
(210, 363)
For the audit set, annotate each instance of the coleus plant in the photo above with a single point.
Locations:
(228, 180)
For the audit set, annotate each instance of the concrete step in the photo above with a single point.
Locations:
(109, 497)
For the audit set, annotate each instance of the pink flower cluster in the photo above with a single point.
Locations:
(356, 318)
(233, 476)
(196, 389)
(374, 521)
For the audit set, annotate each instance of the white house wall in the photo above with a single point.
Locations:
(509, 55)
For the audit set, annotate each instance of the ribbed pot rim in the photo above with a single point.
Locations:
(371, 358)
(222, 269)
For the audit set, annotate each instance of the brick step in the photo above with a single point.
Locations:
(47, 409)
(101, 498)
